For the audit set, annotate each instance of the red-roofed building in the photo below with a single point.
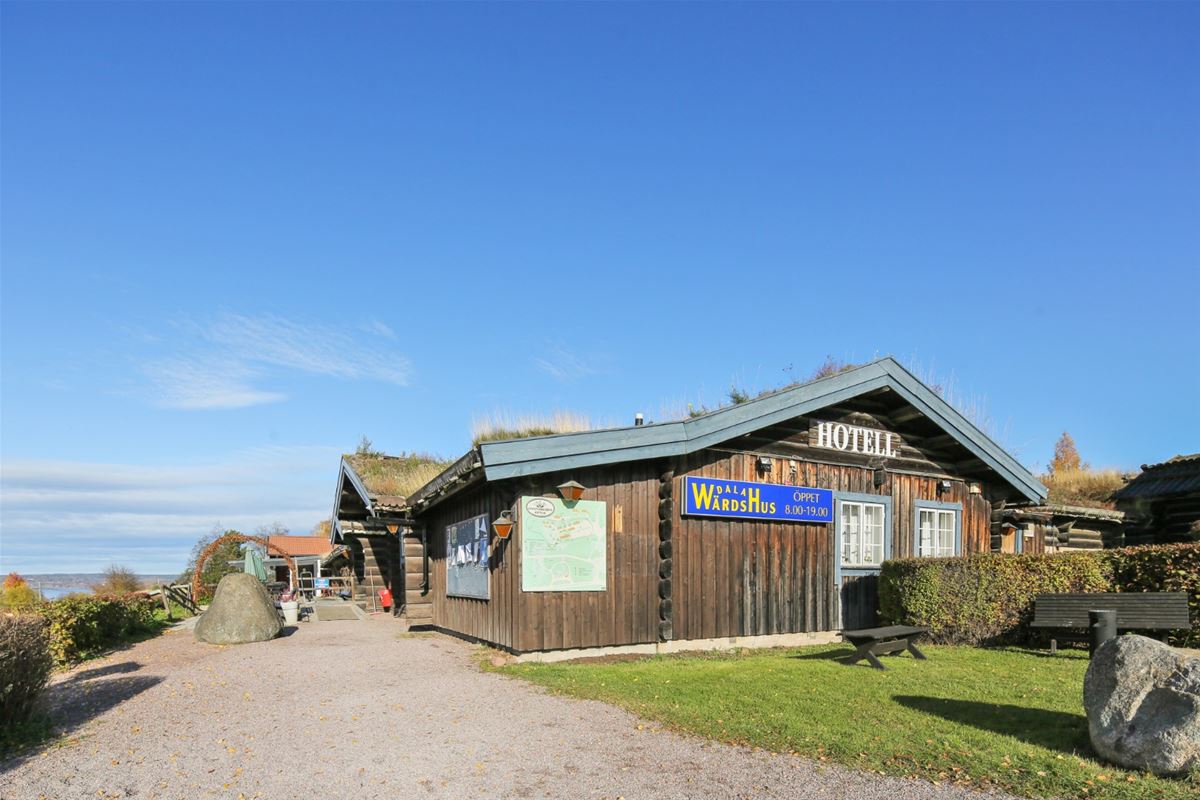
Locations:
(300, 545)
(306, 551)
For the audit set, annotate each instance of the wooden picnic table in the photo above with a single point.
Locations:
(874, 642)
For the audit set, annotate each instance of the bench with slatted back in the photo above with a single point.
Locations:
(1136, 611)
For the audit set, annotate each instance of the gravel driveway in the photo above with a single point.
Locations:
(357, 709)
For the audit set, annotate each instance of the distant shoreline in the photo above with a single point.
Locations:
(56, 584)
(55, 592)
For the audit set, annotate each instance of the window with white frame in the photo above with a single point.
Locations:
(861, 532)
(937, 530)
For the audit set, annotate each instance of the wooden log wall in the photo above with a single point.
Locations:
(1162, 520)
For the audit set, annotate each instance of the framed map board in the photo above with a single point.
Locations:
(467, 558)
(564, 547)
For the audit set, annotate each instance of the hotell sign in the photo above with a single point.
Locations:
(854, 439)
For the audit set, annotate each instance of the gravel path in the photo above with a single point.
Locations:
(357, 709)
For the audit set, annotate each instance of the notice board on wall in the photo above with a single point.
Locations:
(564, 546)
(467, 558)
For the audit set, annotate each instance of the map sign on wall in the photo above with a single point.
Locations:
(563, 546)
(467, 558)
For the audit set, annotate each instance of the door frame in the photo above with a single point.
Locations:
(889, 523)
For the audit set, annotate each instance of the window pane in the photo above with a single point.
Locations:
(862, 533)
(851, 537)
(925, 537)
(946, 531)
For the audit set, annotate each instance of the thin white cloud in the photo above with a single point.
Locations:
(563, 365)
(231, 356)
(204, 383)
(316, 349)
(378, 328)
(67, 516)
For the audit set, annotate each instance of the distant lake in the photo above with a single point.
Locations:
(53, 594)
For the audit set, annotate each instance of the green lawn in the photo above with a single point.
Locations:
(1009, 719)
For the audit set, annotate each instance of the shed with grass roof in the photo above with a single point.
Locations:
(762, 523)
(370, 529)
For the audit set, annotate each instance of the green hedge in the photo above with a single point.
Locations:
(80, 626)
(25, 666)
(988, 598)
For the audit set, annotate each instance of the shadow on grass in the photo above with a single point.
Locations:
(825, 655)
(1054, 730)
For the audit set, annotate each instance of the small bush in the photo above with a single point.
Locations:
(80, 626)
(988, 598)
(16, 593)
(25, 665)
(118, 580)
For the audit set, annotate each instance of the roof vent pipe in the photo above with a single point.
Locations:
(637, 419)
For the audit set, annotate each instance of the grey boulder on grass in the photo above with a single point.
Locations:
(241, 612)
(1143, 705)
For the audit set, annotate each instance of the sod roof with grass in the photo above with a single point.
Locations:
(390, 479)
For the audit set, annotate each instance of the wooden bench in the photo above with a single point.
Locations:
(1136, 611)
(874, 642)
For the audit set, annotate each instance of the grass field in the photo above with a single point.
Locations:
(1001, 718)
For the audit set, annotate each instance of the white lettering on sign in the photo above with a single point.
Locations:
(855, 439)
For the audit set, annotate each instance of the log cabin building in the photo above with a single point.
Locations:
(1056, 528)
(1162, 504)
(764, 522)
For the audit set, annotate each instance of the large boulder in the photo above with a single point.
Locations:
(1143, 705)
(241, 612)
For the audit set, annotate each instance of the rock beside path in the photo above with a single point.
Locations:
(1143, 705)
(241, 612)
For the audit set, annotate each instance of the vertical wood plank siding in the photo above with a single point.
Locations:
(754, 577)
(627, 613)
(728, 577)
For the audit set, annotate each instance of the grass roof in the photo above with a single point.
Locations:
(499, 426)
(398, 475)
(1091, 488)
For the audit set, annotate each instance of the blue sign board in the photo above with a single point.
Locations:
(321, 583)
(714, 497)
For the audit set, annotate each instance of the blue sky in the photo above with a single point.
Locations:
(237, 237)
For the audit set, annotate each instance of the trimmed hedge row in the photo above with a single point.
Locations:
(988, 598)
(25, 665)
(80, 626)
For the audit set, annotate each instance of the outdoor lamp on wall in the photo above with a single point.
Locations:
(879, 477)
(392, 528)
(570, 491)
(503, 525)
(943, 487)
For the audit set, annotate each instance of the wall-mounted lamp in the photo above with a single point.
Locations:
(570, 491)
(974, 488)
(764, 463)
(503, 525)
(879, 477)
(943, 487)
(391, 527)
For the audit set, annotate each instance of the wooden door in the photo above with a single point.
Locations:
(863, 535)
